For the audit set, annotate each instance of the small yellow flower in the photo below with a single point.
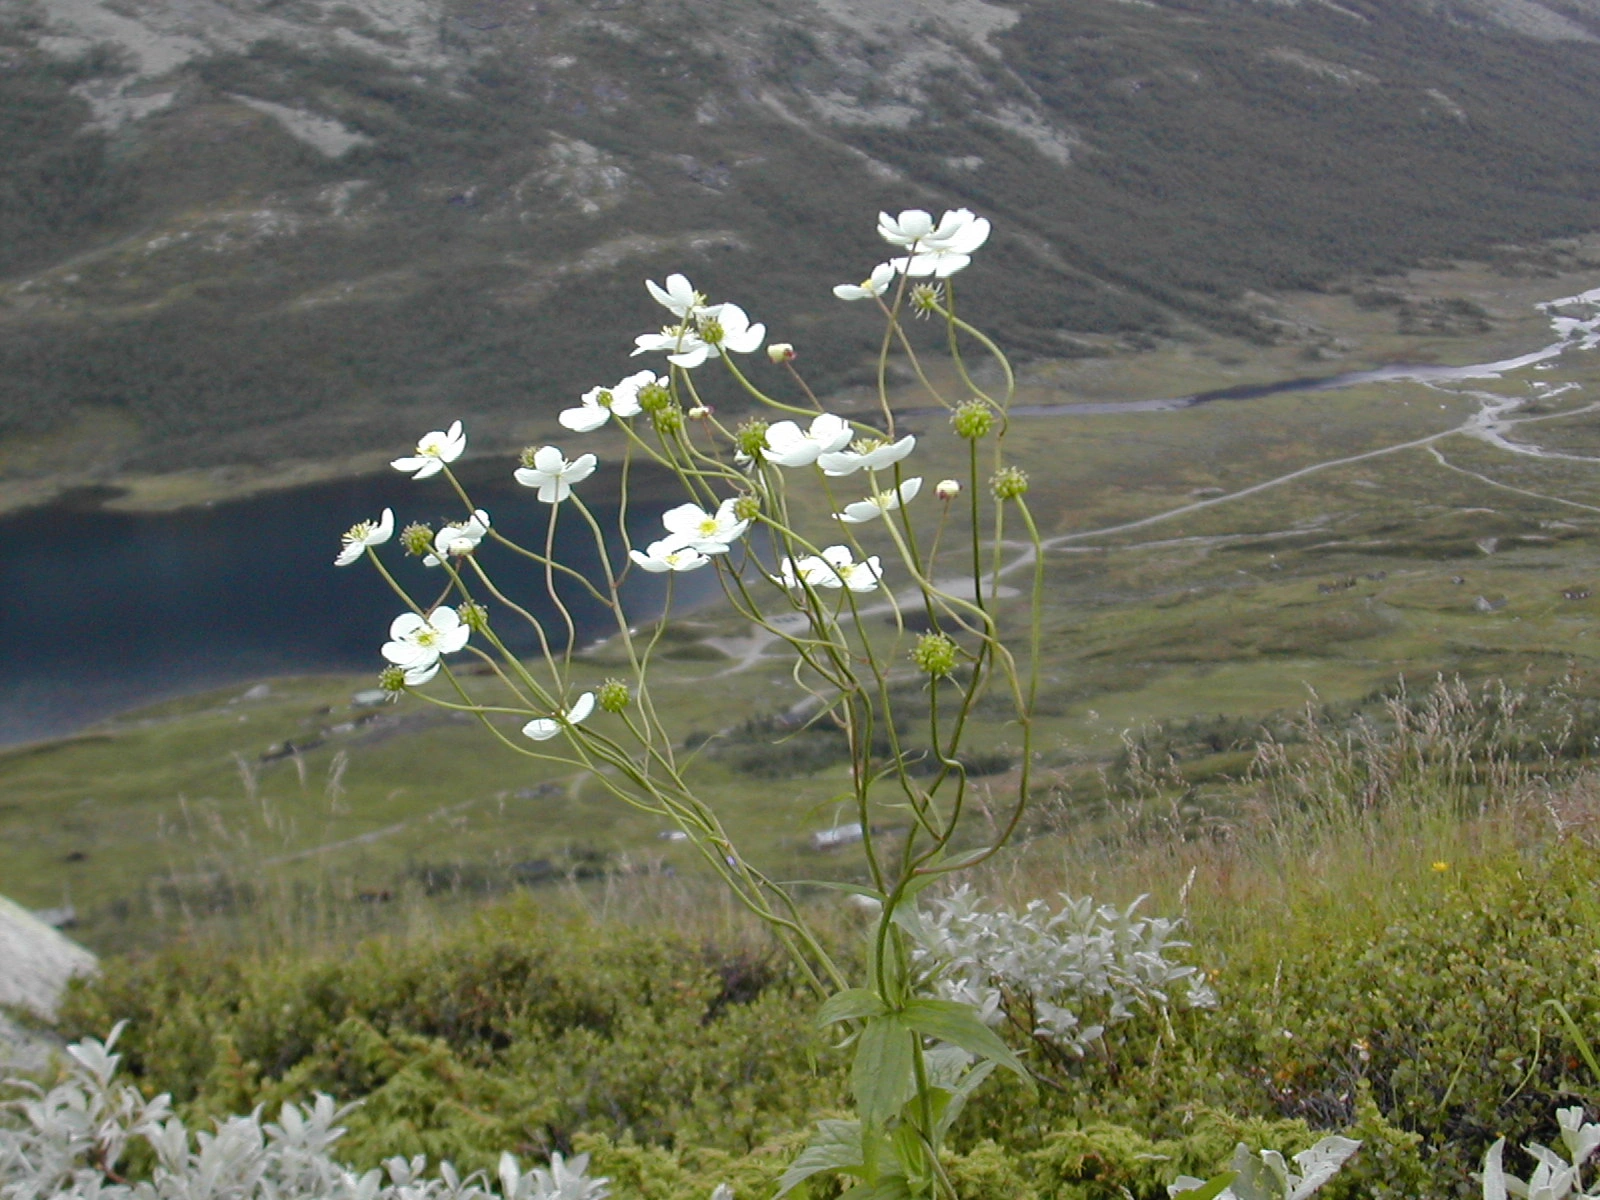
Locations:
(1441, 867)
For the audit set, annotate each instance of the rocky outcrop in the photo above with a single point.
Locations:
(36, 962)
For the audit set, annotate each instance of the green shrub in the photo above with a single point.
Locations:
(515, 1034)
(1413, 1016)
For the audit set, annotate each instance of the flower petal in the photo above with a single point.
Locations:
(541, 729)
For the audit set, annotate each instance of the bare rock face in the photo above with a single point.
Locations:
(35, 963)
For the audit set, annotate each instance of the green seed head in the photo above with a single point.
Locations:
(653, 397)
(711, 332)
(392, 680)
(751, 438)
(934, 654)
(747, 507)
(668, 419)
(1009, 483)
(417, 538)
(474, 616)
(527, 456)
(925, 298)
(612, 696)
(973, 420)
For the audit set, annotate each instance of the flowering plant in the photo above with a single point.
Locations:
(900, 549)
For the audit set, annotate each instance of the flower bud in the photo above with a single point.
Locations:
(780, 352)
(1009, 483)
(612, 696)
(474, 616)
(751, 438)
(417, 538)
(746, 506)
(392, 680)
(973, 420)
(947, 489)
(699, 412)
(653, 397)
(934, 654)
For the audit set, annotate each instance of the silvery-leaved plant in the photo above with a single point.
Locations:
(1554, 1177)
(1267, 1176)
(1043, 969)
(69, 1143)
(828, 592)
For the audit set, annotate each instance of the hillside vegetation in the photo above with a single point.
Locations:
(1398, 927)
(253, 234)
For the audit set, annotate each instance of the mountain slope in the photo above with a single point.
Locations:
(267, 229)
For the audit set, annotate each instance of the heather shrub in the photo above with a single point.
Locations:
(514, 1034)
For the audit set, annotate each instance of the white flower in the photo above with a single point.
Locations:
(947, 489)
(791, 573)
(876, 506)
(457, 539)
(679, 343)
(874, 285)
(712, 330)
(787, 446)
(679, 297)
(910, 227)
(554, 475)
(669, 554)
(940, 250)
(836, 568)
(598, 405)
(726, 327)
(866, 456)
(416, 642)
(542, 729)
(709, 533)
(433, 451)
(833, 568)
(359, 536)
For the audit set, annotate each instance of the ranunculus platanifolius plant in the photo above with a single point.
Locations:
(889, 545)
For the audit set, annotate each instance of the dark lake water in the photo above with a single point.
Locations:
(103, 611)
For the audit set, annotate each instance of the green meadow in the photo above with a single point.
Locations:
(1221, 566)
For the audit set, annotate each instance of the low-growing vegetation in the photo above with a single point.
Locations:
(1408, 962)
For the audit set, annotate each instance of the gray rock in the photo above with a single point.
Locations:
(36, 962)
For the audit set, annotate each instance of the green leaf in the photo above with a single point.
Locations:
(849, 1005)
(890, 1187)
(1209, 1190)
(836, 1146)
(909, 918)
(958, 1024)
(912, 1155)
(854, 889)
(916, 885)
(1578, 1040)
(882, 1076)
(947, 1114)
